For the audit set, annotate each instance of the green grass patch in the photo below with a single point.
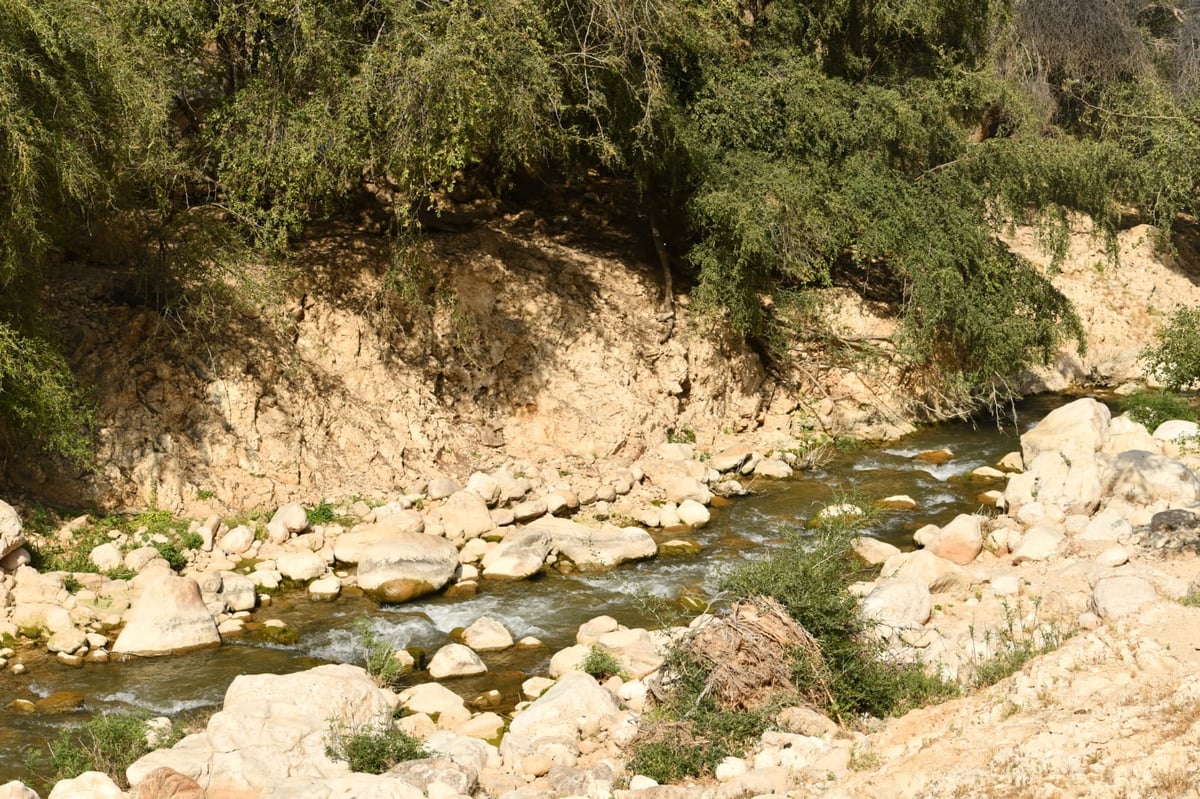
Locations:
(1152, 408)
(108, 743)
(51, 553)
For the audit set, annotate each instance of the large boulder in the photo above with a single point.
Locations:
(1120, 595)
(405, 566)
(521, 554)
(678, 480)
(300, 566)
(12, 532)
(598, 547)
(238, 592)
(349, 547)
(169, 616)
(436, 701)
(288, 520)
(552, 725)
(1125, 434)
(465, 515)
(1060, 456)
(1143, 478)
(273, 729)
(898, 605)
(937, 574)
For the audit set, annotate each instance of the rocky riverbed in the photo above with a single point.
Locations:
(1095, 550)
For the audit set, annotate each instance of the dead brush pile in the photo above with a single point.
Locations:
(750, 655)
(721, 686)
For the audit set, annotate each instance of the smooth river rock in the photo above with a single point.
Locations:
(521, 554)
(598, 547)
(551, 725)
(169, 616)
(403, 566)
(455, 660)
(1144, 478)
(1060, 457)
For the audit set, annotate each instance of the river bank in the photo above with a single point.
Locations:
(971, 605)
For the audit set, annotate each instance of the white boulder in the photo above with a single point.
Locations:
(169, 616)
(403, 566)
(455, 660)
(521, 554)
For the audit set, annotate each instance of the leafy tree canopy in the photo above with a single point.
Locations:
(807, 143)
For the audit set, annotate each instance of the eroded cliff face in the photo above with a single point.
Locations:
(537, 347)
(531, 350)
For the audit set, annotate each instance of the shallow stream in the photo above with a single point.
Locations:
(550, 608)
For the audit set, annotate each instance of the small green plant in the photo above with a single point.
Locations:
(120, 573)
(1191, 599)
(1152, 408)
(681, 435)
(72, 584)
(379, 654)
(108, 743)
(601, 664)
(205, 494)
(374, 749)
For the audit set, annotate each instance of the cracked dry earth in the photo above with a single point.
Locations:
(1113, 713)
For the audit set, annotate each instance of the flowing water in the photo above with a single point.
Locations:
(550, 608)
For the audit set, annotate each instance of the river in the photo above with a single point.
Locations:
(550, 608)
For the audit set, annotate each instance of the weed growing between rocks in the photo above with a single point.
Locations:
(53, 548)
(1015, 644)
(379, 655)
(796, 637)
(374, 749)
(1175, 359)
(108, 743)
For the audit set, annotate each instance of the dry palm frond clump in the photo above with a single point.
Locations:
(750, 655)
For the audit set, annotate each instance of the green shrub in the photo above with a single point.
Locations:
(601, 663)
(848, 675)
(108, 743)
(681, 435)
(171, 553)
(1175, 359)
(1152, 408)
(373, 750)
